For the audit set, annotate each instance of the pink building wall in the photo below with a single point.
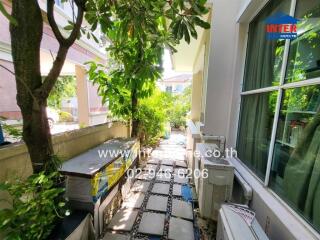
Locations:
(8, 105)
(77, 55)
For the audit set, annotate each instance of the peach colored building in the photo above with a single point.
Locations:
(90, 109)
(175, 84)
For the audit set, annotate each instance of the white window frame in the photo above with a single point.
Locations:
(280, 88)
(246, 16)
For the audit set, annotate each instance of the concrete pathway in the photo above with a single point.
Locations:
(159, 204)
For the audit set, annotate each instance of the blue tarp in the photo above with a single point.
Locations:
(1, 135)
(186, 193)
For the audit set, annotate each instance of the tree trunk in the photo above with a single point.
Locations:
(36, 134)
(32, 92)
(25, 42)
(135, 120)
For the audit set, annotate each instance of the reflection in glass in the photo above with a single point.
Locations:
(264, 57)
(257, 113)
(304, 55)
(295, 173)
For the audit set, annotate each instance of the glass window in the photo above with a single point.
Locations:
(264, 57)
(295, 166)
(295, 172)
(257, 113)
(304, 56)
(169, 89)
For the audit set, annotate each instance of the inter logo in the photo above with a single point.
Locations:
(281, 26)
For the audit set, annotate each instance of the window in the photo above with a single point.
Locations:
(263, 68)
(255, 130)
(264, 57)
(279, 128)
(304, 56)
(295, 172)
(169, 89)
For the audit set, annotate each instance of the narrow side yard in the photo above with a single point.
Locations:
(159, 205)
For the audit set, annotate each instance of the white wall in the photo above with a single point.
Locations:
(221, 66)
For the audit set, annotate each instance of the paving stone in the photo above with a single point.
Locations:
(157, 153)
(134, 200)
(152, 223)
(150, 167)
(181, 164)
(180, 229)
(176, 191)
(145, 176)
(157, 203)
(161, 188)
(153, 161)
(182, 209)
(111, 236)
(167, 162)
(163, 177)
(123, 220)
(181, 171)
(180, 179)
(164, 168)
(140, 186)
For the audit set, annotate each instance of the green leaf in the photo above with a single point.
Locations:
(68, 28)
(95, 38)
(201, 23)
(186, 35)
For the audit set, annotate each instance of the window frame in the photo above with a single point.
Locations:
(245, 17)
(280, 88)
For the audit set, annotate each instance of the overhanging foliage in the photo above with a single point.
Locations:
(138, 34)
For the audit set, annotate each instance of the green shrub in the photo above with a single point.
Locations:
(178, 116)
(153, 115)
(65, 88)
(65, 117)
(181, 105)
(151, 124)
(36, 206)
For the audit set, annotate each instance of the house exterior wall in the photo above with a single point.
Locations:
(221, 65)
(222, 107)
(197, 86)
(8, 105)
(82, 51)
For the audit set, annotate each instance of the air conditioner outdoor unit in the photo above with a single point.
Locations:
(215, 188)
(237, 222)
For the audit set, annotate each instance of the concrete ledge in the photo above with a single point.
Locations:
(15, 160)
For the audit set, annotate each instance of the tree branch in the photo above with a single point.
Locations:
(76, 29)
(64, 45)
(52, 21)
(49, 82)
